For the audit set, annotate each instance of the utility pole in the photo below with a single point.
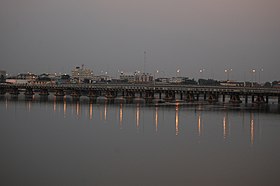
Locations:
(145, 59)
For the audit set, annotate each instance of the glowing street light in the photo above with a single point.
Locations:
(253, 76)
(156, 72)
(261, 70)
(178, 72)
(227, 71)
(201, 72)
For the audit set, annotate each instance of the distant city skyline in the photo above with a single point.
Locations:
(204, 39)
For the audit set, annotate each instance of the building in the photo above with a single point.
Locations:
(232, 83)
(143, 78)
(80, 74)
(27, 76)
(127, 77)
(136, 77)
(162, 80)
(63, 79)
(177, 80)
(44, 79)
(22, 78)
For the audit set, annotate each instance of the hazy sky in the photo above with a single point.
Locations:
(111, 35)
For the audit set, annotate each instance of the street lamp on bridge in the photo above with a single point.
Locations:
(227, 71)
(253, 76)
(201, 72)
(260, 71)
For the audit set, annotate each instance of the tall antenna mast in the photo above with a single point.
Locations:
(145, 58)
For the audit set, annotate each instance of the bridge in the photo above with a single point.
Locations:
(148, 92)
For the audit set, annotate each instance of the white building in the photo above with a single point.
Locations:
(129, 77)
(177, 80)
(81, 74)
(143, 78)
(137, 77)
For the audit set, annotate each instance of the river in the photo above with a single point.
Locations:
(65, 142)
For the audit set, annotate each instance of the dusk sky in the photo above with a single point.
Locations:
(111, 35)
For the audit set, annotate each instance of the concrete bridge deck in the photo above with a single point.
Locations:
(147, 91)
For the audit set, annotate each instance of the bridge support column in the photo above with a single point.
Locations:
(212, 98)
(149, 96)
(189, 97)
(169, 96)
(14, 92)
(267, 99)
(278, 99)
(28, 92)
(111, 94)
(253, 98)
(246, 99)
(224, 97)
(235, 99)
(44, 92)
(92, 96)
(129, 96)
(205, 96)
(197, 97)
(259, 100)
(59, 93)
(76, 94)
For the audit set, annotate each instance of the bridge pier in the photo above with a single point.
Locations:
(259, 100)
(197, 97)
(224, 98)
(111, 94)
(14, 92)
(92, 95)
(279, 99)
(160, 95)
(189, 97)
(59, 93)
(169, 96)
(129, 96)
(246, 99)
(44, 92)
(212, 98)
(267, 99)
(235, 99)
(28, 92)
(149, 95)
(76, 94)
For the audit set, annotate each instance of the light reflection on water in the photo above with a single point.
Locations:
(77, 108)
(65, 142)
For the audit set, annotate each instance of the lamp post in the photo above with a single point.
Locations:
(253, 76)
(178, 72)
(261, 70)
(227, 71)
(201, 73)
(155, 72)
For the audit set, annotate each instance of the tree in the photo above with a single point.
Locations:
(2, 78)
(267, 85)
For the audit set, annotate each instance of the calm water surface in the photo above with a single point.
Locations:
(81, 143)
